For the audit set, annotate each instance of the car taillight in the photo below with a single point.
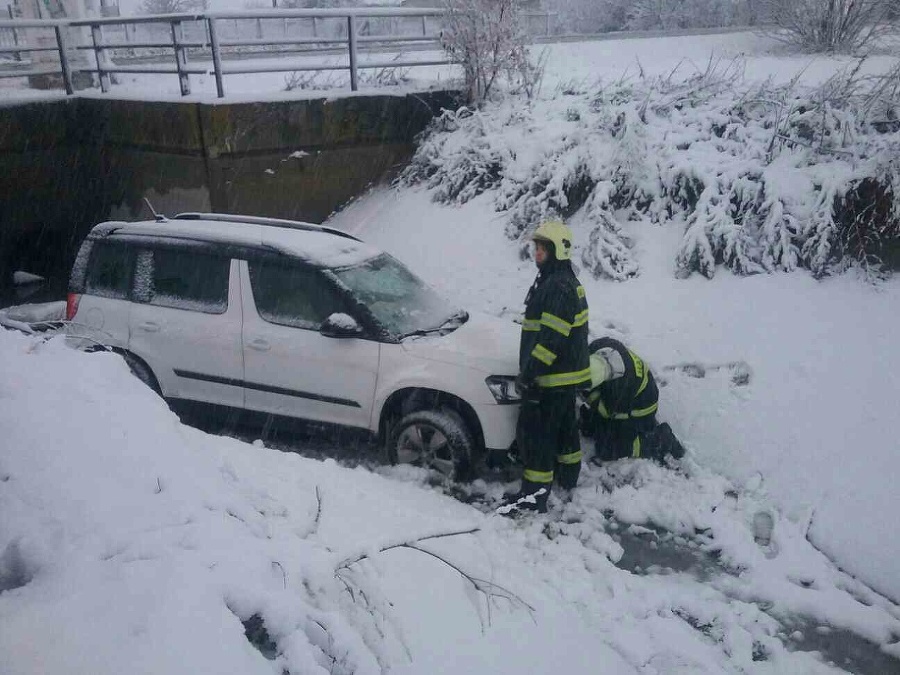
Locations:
(72, 300)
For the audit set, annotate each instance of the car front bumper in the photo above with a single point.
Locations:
(498, 424)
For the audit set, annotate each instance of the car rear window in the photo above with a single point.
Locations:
(110, 270)
(189, 280)
(293, 295)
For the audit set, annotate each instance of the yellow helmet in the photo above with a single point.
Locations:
(559, 234)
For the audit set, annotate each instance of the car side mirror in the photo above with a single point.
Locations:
(340, 325)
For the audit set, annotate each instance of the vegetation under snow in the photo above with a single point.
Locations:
(762, 177)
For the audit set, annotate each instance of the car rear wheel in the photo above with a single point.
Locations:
(437, 440)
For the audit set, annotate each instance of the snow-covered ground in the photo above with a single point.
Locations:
(813, 427)
(132, 543)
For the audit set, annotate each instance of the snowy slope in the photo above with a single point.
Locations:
(813, 428)
(130, 543)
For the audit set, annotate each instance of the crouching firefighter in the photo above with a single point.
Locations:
(553, 368)
(620, 413)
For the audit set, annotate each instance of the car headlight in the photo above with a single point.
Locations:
(503, 387)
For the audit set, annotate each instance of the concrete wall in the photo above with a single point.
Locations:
(68, 164)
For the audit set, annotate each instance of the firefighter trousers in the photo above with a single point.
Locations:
(548, 439)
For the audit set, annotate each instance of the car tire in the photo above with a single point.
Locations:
(436, 440)
(142, 372)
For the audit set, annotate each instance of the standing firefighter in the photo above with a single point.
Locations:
(620, 413)
(553, 365)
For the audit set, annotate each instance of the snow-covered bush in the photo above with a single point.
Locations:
(170, 6)
(602, 16)
(487, 39)
(680, 14)
(761, 177)
(830, 25)
(458, 167)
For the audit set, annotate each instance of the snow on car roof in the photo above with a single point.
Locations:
(319, 248)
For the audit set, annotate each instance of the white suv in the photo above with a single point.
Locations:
(304, 321)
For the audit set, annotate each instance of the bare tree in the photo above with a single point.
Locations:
(830, 25)
(485, 36)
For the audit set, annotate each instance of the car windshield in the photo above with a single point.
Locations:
(404, 304)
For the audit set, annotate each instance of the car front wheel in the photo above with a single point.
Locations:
(436, 440)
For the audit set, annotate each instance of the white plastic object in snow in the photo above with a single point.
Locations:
(763, 524)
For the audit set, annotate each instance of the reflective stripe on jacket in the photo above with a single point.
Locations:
(634, 395)
(553, 350)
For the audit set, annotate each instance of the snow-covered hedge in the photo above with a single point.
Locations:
(762, 177)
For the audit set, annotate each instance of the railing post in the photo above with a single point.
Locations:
(180, 59)
(17, 55)
(351, 36)
(424, 25)
(216, 56)
(64, 59)
(97, 39)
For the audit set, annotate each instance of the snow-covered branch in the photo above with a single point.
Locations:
(762, 177)
(487, 38)
(488, 589)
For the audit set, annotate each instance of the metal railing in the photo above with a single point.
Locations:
(204, 38)
(9, 37)
(54, 35)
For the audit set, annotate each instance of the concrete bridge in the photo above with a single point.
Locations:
(68, 164)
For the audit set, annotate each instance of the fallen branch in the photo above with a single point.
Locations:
(488, 588)
(406, 544)
(318, 509)
(283, 573)
(821, 149)
(314, 527)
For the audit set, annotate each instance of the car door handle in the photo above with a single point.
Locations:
(259, 345)
(149, 326)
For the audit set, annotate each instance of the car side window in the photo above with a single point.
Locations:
(293, 295)
(189, 280)
(110, 270)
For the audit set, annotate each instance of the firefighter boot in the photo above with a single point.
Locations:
(663, 442)
(567, 474)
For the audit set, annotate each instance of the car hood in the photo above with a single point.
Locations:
(484, 342)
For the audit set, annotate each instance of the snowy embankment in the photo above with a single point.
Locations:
(814, 426)
(688, 166)
(131, 543)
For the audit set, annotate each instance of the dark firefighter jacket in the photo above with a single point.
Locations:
(553, 351)
(632, 396)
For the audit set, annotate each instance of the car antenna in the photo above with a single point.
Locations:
(160, 218)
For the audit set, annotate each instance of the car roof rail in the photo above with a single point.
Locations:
(257, 220)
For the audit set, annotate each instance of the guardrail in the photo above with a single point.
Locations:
(55, 37)
(40, 32)
(9, 37)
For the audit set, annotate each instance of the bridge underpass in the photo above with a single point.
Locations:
(69, 164)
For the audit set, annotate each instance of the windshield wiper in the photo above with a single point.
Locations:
(452, 323)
